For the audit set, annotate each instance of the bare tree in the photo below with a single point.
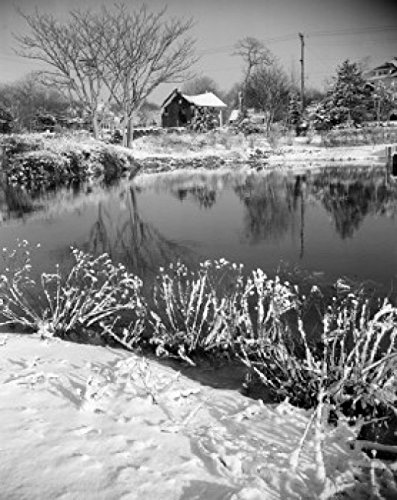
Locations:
(112, 55)
(74, 53)
(199, 85)
(254, 53)
(146, 50)
(268, 89)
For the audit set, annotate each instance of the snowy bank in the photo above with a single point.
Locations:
(88, 422)
(225, 151)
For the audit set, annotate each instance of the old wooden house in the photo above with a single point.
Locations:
(178, 110)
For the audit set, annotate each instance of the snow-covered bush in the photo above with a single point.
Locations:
(352, 364)
(38, 161)
(348, 364)
(37, 169)
(189, 316)
(96, 299)
(22, 143)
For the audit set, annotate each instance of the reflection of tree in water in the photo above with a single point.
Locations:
(18, 202)
(203, 195)
(14, 202)
(349, 200)
(271, 205)
(121, 232)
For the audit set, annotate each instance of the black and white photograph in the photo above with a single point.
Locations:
(198, 250)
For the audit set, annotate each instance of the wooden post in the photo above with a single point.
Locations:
(302, 61)
(391, 160)
(3, 165)
(220, 118)
(2, 157)
(388, 157)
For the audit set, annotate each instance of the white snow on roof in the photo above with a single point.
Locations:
(234, 115)
(207, 100)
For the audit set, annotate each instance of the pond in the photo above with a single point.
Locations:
(316, 226)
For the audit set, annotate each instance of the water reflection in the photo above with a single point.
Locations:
(335, 221)
(15, 202)
(338, 220)
(350, 200)
(121, 232)
(270, 206)
(205, 196)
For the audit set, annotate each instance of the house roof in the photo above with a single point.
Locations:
(234, 115)
(207, 100)
(388, 64)
(392, 64)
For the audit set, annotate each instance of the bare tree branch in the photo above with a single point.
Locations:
(113, 55)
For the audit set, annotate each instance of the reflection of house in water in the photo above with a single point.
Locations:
(180, 109)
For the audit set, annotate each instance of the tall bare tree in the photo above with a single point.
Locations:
(149, 50)
(73, 52)
(112, 55)
(254, 54)
(268, 89)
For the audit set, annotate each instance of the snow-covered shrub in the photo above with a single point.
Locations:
(353, 363)
(204, 121)
(39, 161)
(37, 169)
(22, 143)
(96, 299)
(189, 316)
(349, 364)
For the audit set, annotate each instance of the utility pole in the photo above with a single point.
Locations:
(302, 61)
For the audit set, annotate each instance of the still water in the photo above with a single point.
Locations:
(338, 222)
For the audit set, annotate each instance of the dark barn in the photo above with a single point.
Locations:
(179, 109)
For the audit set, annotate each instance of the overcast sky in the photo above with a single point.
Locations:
(334, 30)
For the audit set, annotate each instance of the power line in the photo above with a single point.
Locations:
(283, 38)
(352, 43)
(313, 34)
(227, 48)
(350, 31)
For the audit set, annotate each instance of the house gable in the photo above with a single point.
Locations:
(179, 109)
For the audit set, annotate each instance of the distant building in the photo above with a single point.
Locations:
(178, 110)
(234, 116)
(386, 75)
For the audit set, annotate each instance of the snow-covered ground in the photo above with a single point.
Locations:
(254, 148)
(88, 422)
(310, 156)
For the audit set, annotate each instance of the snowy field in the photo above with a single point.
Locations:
(88, 422)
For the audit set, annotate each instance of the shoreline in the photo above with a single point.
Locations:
(184, 152)
(288, 158)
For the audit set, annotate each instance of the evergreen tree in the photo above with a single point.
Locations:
(348, 101)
